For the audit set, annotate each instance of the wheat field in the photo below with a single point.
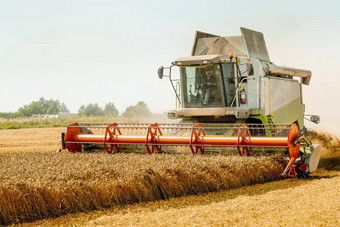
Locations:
(38, 185)
(36, 182)
(314, 203)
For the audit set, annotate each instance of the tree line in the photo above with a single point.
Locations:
(138, 110)
(43, 106)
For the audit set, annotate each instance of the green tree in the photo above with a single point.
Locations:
(63, 108)
(11, 115)
(42, 106)
(81, 110)
(33, 108)
(91, 110)
(110, 110)
(139, 110)
(52, 107)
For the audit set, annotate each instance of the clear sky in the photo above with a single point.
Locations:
(81, 51)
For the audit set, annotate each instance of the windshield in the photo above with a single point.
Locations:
(201, 86)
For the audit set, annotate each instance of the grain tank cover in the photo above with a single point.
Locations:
(249, 44)
(255, 44)
(208, 44)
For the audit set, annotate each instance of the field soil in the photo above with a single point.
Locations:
(30, 140)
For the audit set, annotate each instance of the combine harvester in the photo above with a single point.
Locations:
(229, 94)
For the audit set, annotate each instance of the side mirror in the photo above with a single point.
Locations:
(160, 72)
(315, 119)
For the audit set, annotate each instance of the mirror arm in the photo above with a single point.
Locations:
(173, 87)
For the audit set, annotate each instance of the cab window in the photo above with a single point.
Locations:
(201, 86)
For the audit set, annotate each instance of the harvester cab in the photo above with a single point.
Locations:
(229, 95)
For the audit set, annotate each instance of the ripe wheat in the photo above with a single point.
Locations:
(38, 185)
